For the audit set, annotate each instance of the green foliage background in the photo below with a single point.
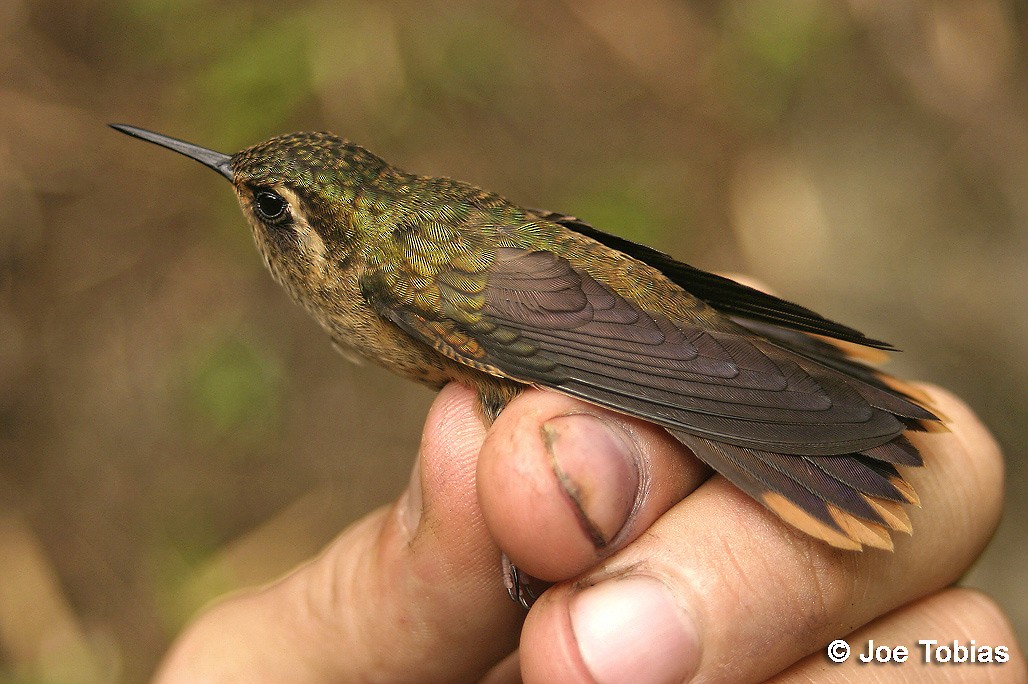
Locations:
(172, 427)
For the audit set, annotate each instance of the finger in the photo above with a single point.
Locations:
(721, 589)
(507, 671)
(389, 596)
(973, 641)
(563, 483)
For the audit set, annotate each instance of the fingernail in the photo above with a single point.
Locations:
(598, 468)
(632, 630)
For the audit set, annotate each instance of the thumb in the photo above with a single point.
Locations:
(395, 591)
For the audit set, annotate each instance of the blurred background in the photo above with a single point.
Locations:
(172, 427)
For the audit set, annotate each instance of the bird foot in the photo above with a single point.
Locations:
(523, 589)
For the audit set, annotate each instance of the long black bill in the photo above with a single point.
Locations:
(209, 158)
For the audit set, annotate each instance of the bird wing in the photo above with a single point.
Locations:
(724, 294)
(744, 404)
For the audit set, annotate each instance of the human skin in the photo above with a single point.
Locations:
(696, 580)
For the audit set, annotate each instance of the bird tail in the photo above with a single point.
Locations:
(849, 501)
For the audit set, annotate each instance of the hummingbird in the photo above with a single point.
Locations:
(441, 281)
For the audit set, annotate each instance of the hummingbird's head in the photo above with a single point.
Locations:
(296, 192)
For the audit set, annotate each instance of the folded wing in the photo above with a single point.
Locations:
(812, 439)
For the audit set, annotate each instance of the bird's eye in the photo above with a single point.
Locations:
(270, 205)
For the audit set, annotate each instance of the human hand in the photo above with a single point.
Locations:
(662, 573)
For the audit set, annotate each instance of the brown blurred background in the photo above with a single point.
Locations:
(172, 427)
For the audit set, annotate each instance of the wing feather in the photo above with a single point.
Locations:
(807, 432)
(731, 387)
(722, 293)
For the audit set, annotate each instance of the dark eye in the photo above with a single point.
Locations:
(270, 205)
